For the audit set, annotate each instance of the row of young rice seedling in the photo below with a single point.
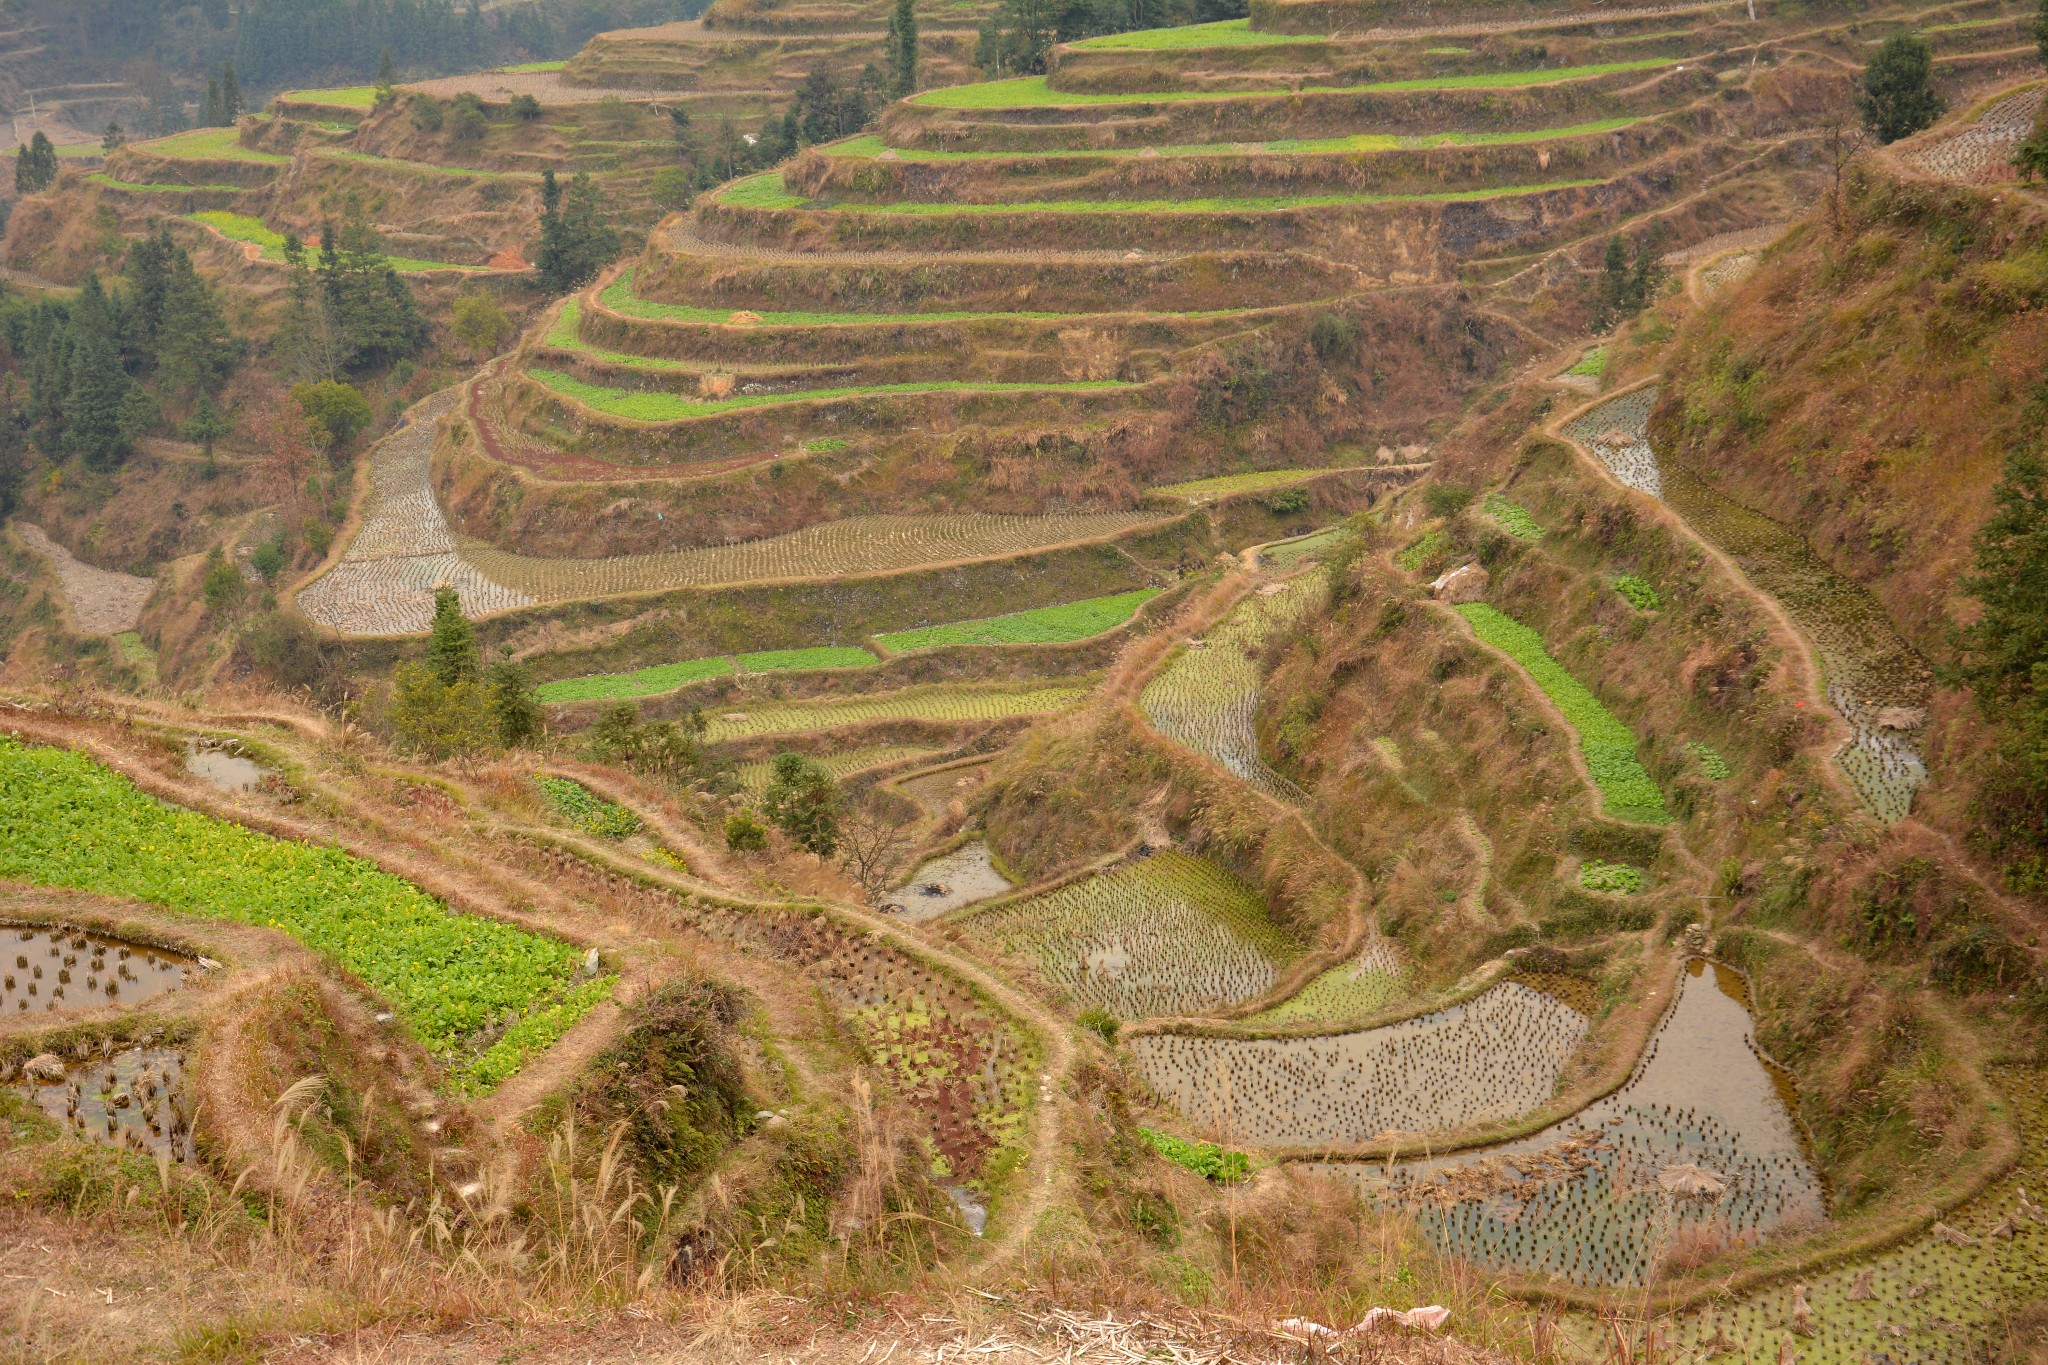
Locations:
(1492, 1057)
(1170, 934)
(1207, 698)
(66, 821)
(1697, 1154)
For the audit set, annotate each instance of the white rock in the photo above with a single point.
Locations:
(1466, 583)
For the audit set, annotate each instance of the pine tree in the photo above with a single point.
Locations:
(513, 703)
(35, 165)
(209, 108)
(903, 49)
(194, 350)
(13, 452)
(230, 96)
(451, 652)
(387, 80)
(370, 307)
(98, 400)
(206, 425)
(148, 269)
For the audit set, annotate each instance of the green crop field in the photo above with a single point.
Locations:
(644, 682)
(208, 144)
(1259, 481)
(1044, 625)
(341, 97)
(753, 197)
(1226, 33)
(588, 812)
(1640, 592)
(1513, 518)
(1608, 745)
(1033, 92)
(240, 227)
(1342, 995)
(1592, 364)
(944, 703)
(102, 178)
(533, 68)
(798, 660)
(1165, 935)
(670, 407)
(1286, 554)
(870, 145)
(66, 821)
(618, 296)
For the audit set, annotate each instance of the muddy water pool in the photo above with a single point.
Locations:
(50, 969)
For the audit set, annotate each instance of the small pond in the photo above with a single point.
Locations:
(133, 1098)
(963, 877)
(1697, 1153)
(224, 771)
(50, 969)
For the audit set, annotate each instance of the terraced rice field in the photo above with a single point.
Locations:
(102, 601)
(1609, 747)
(1033, 92)
(342, 97)
(65, 821)
(1698, 1145)
(966, 876)
(1200, 491)
(651, 682)
(136, 1099)
(209, 144)
(620, 298)
(1617, 432)
(102, 178)
(1350, 993)
(240, 227)
(1226, 33)
(1208, 697)
(384, 584)
(1492, 1057)
(1041, 625)
(763, 192)
(943, 703)
(1934, 1298)
(1980, 152)
(1284, 555)
(1171, 934)
(851, 545)
(1874, 679)
(869, 145)
(842, 764)
(655, 406)
(429, 168)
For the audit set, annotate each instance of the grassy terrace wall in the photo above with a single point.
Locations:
(1220, 279)
(783, 426)
(1391, 239)
(1097, 121)
(1334, 17)
(684, 57)
(994, 345)
(1601, 151)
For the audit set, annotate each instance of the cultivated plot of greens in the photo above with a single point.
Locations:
(66, 821)
(1513, 518)
(1609, 747)
(645, 406)
(209, 144)
(1172, 934)
(1034, 92)
(1490, 1058)
(1258, 481)
(240, 227)
(588, 812)
(1042, 625)
(873, 145)
(1346, 994)
(1225, 33)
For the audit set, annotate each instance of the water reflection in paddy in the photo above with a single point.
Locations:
(963, 877)
(131, 1099)
(1697, 1153)
(47, 969)
(224, 771)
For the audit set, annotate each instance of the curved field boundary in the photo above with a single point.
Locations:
(1035, 92)
(1979, 152)
(645, 406)
(424, 168)
(754, 192)
(1609, 747)
(101, 601)
(1225, 33)
(68, 821)
(872, 146)
(264, 243)
(1061, 624)
(943, 703)
(207, 144)
(661, 678)
(1869, 675)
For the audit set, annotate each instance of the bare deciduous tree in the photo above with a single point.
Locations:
(872, 838)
